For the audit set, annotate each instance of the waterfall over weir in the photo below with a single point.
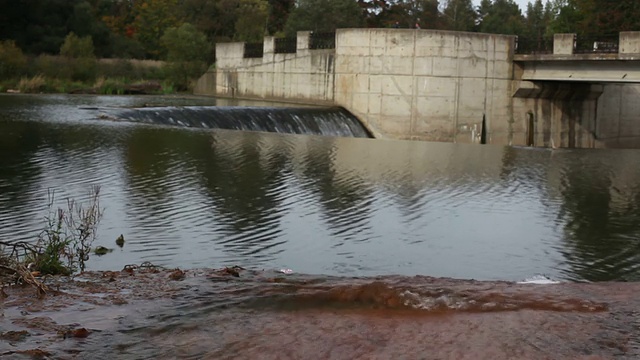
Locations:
(332, 121)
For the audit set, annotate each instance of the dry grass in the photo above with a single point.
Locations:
(32, 85)
(99, 82)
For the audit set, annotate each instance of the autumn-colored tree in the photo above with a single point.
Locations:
(601, 17)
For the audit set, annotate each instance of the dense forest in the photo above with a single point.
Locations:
(134, 28)
(65, 45)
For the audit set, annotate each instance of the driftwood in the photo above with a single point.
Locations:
(13, 268)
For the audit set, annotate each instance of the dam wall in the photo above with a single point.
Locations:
(402, 84)
(447, 86)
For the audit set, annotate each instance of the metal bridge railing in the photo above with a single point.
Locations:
(322, 40)
(253, 50)
(596, 44)
(287, 45)
(534, 45)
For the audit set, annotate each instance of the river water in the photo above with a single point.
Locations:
(354, 218)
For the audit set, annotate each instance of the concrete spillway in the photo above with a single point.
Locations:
(332, 121)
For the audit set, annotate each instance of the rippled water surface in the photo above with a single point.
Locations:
(319, 205)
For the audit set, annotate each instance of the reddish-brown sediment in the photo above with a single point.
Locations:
(146, 313)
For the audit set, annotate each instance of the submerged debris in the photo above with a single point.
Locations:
(177, 274)
(101, 250)
(120, 240)
(75, 333)
(14, 336)
(230, 271)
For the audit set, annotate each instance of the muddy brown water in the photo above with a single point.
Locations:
(268, 315)
(386, 232)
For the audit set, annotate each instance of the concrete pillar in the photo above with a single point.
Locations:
(269, 45)
(303, 40)
(563, 44)
(629, 42)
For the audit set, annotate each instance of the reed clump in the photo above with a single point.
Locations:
(62, 248)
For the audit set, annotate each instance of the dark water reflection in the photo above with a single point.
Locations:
(341, 206)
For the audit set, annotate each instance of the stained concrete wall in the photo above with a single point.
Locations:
(426, 84)
(305, 76)
(439, 85)
(206, 84)
(404, 84)
(618, 116)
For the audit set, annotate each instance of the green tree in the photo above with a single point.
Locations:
(152, 18)
(77, 47)
(215, 18)
(82, 62)
(501, 17)
(324, 16)
(188, 52)
(251, 24)
(278, 14)
(459, 15)
(565, 17)
(186, 43)
(12, 61)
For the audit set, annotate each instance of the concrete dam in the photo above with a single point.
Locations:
(447, 86)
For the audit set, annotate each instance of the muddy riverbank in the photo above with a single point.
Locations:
(214, 314)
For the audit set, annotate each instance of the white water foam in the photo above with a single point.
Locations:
(538, 280)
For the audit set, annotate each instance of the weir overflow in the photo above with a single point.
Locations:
(331, 121)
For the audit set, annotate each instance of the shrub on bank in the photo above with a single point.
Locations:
(183, 74)
(77, 70)
(12, 61)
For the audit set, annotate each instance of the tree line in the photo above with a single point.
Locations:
(135, 28)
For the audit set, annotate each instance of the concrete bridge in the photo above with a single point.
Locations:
(447, 86)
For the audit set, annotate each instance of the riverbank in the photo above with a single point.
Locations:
(148, 312)
(58, 74)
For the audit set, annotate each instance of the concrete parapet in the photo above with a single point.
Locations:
(563, 44)
(269, 45)
(303, 40)
(629, 42)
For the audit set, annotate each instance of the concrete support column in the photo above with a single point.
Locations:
(629, 42)
(563, 44)
(269, 45)
(303, 40)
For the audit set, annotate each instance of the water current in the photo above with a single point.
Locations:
(380, 236)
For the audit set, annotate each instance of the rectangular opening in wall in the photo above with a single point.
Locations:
(530, 129)
(253, 50)
(287, 45)
(322, 40)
